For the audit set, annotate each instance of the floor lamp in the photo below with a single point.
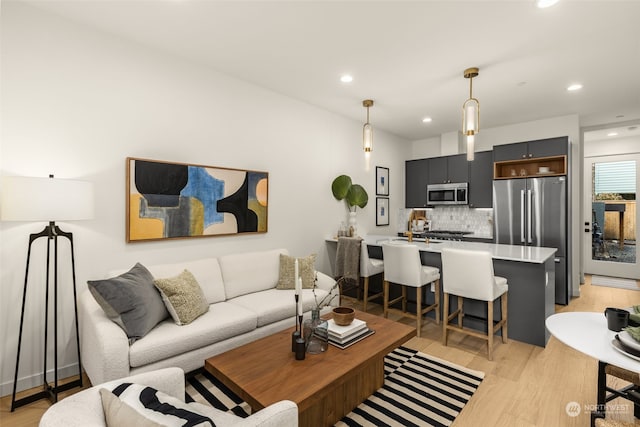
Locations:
(48, 200)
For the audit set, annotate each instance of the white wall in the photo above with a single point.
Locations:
(424, 148)
(76, 103)
(612, 146)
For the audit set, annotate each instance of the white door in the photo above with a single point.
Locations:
(611, 216)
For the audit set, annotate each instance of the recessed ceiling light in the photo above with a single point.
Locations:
(545, 3)
(573, 87)
(346, 78)
(427, 120)
(612, 134)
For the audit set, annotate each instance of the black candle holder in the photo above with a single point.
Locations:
(294, 336)
(301, 349)
(297, 339)
(298, 332)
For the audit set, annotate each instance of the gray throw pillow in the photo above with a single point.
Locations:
(131, 300)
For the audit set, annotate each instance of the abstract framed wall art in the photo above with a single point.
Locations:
(382, 181)
(382, 211)
(176, 200)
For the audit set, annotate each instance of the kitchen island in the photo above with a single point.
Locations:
(530, 272)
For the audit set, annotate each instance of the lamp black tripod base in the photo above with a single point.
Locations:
(49, 392)
(51, 232)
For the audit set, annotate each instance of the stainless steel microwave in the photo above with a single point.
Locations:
(455, 193)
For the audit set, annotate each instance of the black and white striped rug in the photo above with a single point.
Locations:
(419, 390)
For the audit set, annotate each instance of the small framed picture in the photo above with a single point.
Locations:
(382, 181)
(382, 211)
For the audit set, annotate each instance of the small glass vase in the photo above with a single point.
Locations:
(353, 224)
(316, 333)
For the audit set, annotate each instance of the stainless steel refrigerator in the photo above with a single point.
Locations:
(533, 212)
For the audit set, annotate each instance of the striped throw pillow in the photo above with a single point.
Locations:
(129, 404)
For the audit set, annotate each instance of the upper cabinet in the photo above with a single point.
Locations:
(481, 180)
(531, 149)
(448, 169)
(456, 168)
(416, 180)
(532, 158)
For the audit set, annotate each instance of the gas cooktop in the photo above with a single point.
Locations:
(448, 232)
(440, 234)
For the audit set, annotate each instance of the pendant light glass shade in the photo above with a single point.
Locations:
(470, 114)
(471, 119)
(367, 130)
(367, 138)
(470, 147)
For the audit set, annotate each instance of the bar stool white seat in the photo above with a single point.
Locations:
(369, 267)
(402, 266)
(469, 274)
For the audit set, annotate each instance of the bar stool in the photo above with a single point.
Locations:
(402, 266)
(469, 274)
(369, 267)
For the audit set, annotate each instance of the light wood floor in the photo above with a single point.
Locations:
(524, 385)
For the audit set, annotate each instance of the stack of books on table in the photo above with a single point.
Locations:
(344, 336)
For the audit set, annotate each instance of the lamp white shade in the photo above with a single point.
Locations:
(45, 199)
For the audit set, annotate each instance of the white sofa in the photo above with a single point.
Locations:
(244, 306)
(84, 409)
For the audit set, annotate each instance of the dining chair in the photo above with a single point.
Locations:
(369, 267)
(607, 393)
(402, 266)
(469, 274)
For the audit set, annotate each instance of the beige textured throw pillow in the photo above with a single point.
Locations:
(183, 297)
(306, 269)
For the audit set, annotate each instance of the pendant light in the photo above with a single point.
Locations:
(470, 114)
(367, 131)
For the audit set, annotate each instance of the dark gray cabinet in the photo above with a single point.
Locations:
(548, 147)
(448, 169)
(481, 180)
(416, 179)
(456, 168)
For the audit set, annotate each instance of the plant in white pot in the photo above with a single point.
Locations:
(354, 196)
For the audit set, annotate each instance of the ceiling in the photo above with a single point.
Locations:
(408, 57)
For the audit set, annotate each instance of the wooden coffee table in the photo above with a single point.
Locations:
(324, 386)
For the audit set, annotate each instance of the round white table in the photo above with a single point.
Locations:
(587, 332)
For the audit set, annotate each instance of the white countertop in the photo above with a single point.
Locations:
(532, 254)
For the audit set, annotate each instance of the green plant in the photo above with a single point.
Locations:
(608, 196)
(353, 194)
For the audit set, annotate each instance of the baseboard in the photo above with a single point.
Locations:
(36, 380)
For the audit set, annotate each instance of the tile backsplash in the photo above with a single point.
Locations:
(456, 218)
(462, 218)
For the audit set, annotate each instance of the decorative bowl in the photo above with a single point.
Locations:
(343, 316)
